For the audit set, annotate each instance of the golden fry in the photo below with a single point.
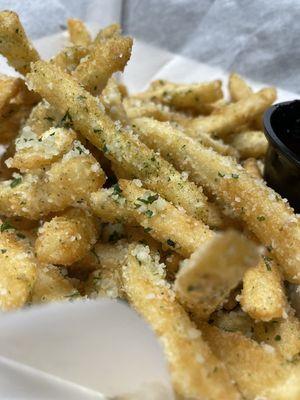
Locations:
(233, 321)
(195, 372)
(113, 30)
(251, 166)
(79, 35)
(207, 278)
(250, 144)
(14, 44)
(238, 88)
(9, 87)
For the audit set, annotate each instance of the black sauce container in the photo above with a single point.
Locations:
(282, 163)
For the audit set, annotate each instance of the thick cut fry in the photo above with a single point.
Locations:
(111, 98)
(233, 321)
(118, 145)
(107, 281)
(42, 118)
(69, 58)
(267, 215)
(33, 152)
(9, 87)
(79, 35)
(14, 44)
(166, 223)
(250, 144)
(238, 88)
(51, 286)
(110, 31)
(65, 183)
(196, 373)
(258, 371)
(66, 238)
(207, 278)
(252, 168)
(102, 61)
(111, 206)
(225, 122)
(18, 269)
(263, 296)
(186, 96)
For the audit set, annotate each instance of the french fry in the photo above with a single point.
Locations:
(258, 371)
(185, 96)
(18, 269)
(263, 296)
(67, 182)
(42, 118)
(14, 44)
(107, 280)
(119, 145)
(266, 214)
(69, 58)
(251, 166)
(111, 206)
(283, 335)
(113, 30)
(206, 279)
(250, 144)
(111, 98)
(234, 115)
(51, 285)
(11, 121)
(79, 35)
(166, 223)
(102, 61)
(233, 321)
(238, 88)
(66, 238)
(9, 87)
(195, 372)
(33, 152)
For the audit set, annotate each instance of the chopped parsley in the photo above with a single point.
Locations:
(267, 261)
(105, 149)
(171, 243)
(15, 182)
(21, 236)
(117, 190)
(221, 175)
(52, 134)
(5, 226)
(148, 229)
(149, 213)
(3, 251)
(66, 120)
(50, 119)
(80, 151)
(235, 176)
(97, 130)
(149, 200)
(277, 338)
(261, 218)
(81, 97)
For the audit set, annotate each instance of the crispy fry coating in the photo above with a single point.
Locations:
(69, 58)
(33, 152)
(238, 88)
(119, 145)
(67, 182)
(166, 223)
(207, 278)
(79, 35)
(103, 60)
(18, 269)
(233, 115)
(233, 321)
(14, 44)
(111, 98)
(11, 121)
(185, 96)
(263, 296)
(66, 238)
(51, 285)
(250, 144)
(251, 166)
(196, 373)
(258, 371)
(9, 87)
(108, 32)
(267, 215)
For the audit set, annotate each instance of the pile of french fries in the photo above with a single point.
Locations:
(155, 198)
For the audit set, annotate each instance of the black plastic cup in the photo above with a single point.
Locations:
(282, 163)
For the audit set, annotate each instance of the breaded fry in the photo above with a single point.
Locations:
(9, 87)
(79, 35)
(51, 285)
(283, 335)
(257, 370)
(69, 58)
(266, 214)
(206, 279)
(14, 44)
(108, 32)
(172, 227)
(263, 296)
(103, 60)
(42, 118)
(251, 166)
(233, 115)
(118, 145)
(65, 183)
(107, 280)
(250, 144)
(66, 238)
(111, 206)
(185, 96)
(111, 98)
(18, 269)
(196, 373)
(238, 88)
(33, 152)
(11, 121)
(233, 321)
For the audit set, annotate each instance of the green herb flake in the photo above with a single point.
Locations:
(80, 151)
(261, 218)
(66, 120)
(97, 130)
(221, 175)
(50, 119)
(235, 176)
(149, 213)
(6, 226)
(3, 251)
(105, 149)
(117, 190)
(21, 236)
(148, 229)
(268, 261)
(15, 182)
(277, 338)
(149, 200)
(171, 243)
